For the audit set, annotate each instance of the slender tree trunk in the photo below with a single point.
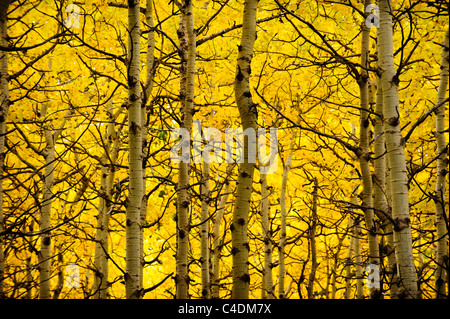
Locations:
(60, 284)
(248, 112)
(267, 239)
(99, 234)
(282, 241)
(357, 253)
(51, 135)
(29, 276)
(4, 106)
(312, 242)
(204, 232)
(364, 155)
(108, 170)
(379, 186)
(348, 261)
(336, 261)
(150, 64)
(381, 192)
(135, 195)
(358, 261)
(392, 269)
(396, 155)
(217, 243)
(186, 34)
(46, 208)
(442, 170)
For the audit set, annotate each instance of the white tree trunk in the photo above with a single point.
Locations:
(442, 170)
(204, 232)
(267, 239)
(217, 243)
(396, 155)
(187, 37)
(135, 194)
(248, 112)
(4, 106)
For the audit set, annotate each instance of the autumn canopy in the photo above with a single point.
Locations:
(335, 184)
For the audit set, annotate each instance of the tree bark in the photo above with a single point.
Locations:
(204, 232)
(380, 191)
(148, 86)
(186, 34)
(108, 170)
(135, 194)
(442, 170)
(348, 261)
(364, 155)
(267, 239)
(4, 106)
(396, 155)
(312, 242)
(282, 240)
(248, 112)
(217, 243)
(392, 269)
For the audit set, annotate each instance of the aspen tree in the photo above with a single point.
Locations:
(204, 232)
(44, 222)
(105, 206)
(442, 257)
(135, 194)
(364, 154)
(29, 276)
(379, 184)
(147, 90)
(4, 106)
(283, 211)
(396, 155)
(334, 271)
(392, 269)
(358, 260)
(267, 239)
(217, 243)
(312, 241)
(381, 188)
(186, 34)
(101, 227)
(51, 135)
(356, 234)
(348, 261)
(248, 112)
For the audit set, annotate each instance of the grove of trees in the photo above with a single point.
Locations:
(93, 205)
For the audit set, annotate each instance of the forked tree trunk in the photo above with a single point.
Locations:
(135, 194)
(396, 155)
(442, 170)
(248, 112)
